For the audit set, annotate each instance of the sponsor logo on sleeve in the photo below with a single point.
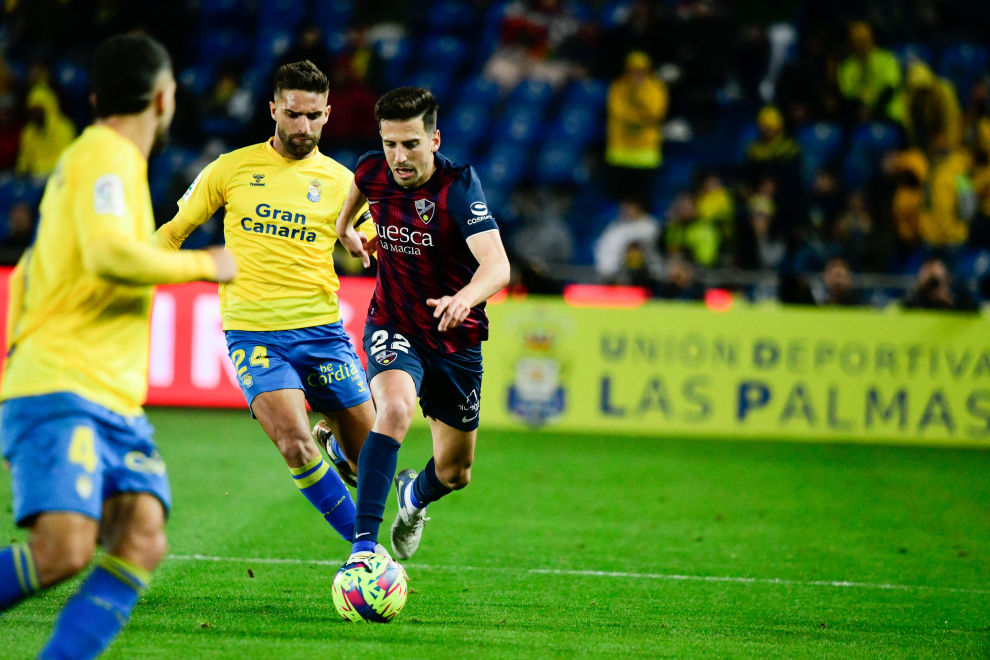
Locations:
(108, 196)
(480, 212)
(479, 208)
(192, 187)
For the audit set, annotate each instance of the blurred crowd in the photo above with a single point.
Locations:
(840, 150)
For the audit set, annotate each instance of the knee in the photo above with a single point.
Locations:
(147, 547)
(59, 556)
(455, 476)
(293, 444)
(395, 416)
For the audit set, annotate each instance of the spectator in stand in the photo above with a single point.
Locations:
(637, 105)
(544, 239)
(309, 45)
(837, 281)
(769, 247)
(633, 227)
(979, 233)
(934, 289)
(680, 282)
(869, 79)
(683, 233)
(774, 155)
(10, 132)
(47, 133)
(352, 111)
(910, 171)
(20, 233)
(856, 237)
(227, 97)
(716, 207)
(932, 116)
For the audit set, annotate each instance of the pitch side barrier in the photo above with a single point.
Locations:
(611, 360)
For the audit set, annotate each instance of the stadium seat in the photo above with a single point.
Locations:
(270, 44)
(868, 145)
(963, 64)
(748, 133)
(576, 125)
(589, 92)
(456, 152)
(819, 144)
(217, 45)
(534, 93)
(439, 81)
(561, 163)
(333, 15)
(479, 90)
(197, 79)
(281, 14)
(448, 16)
(520, 124)
(443, 52)
(505, 166)
(395, 55)
(346, 157)
(907, 52)
(466, 126)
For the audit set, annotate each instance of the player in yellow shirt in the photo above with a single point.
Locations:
(281, 199)
(83, 462)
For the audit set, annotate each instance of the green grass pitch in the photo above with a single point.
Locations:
(512, 567)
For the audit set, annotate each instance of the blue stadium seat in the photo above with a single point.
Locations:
(479, 90)
(395, 55)
(281, 14)
(963, 64)
(197, 79)
(577, 125)
(535, 93)
(447, 16)
(589, 92)
(907, 52)
(346, 157)
(270, 44)
(505, 166)
(333, 15)
(443, 52)
(819, 144)
(456, 152)
(439, 81)
(466, 126)
(748, 133)
(521, 123)
(561, 163)
(217, 45)
(336, 40)
(868, 145)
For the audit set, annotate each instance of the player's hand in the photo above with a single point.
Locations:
(223, 259)
(356, 245)
(451, 311)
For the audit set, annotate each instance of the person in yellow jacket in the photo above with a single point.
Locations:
(932, 114)
(637, 105)
(45, 136)
(950, 202)
(870, 77)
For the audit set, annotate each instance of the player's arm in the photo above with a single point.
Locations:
(204, 196)
(354, 240)
(491, 277)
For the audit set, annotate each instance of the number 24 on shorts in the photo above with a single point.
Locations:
(259, 358)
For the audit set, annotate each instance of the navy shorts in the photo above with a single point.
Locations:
(320, 361)
(449, 386)
(67, 453)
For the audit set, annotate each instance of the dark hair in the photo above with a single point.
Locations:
(405, 103)
(304, 76)
(124, 72)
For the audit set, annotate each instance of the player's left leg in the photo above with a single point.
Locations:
(448, 470)
(133, 533)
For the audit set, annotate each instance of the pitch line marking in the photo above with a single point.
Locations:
(587, 573)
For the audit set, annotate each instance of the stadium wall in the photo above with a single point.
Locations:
(656, 368)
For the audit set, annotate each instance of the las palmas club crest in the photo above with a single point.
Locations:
(424, 209)
(314, 191)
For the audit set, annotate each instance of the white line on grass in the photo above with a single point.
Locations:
(612, 574)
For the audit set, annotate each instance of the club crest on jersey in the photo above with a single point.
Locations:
(386, 358)
(424, 209)
(313, 194)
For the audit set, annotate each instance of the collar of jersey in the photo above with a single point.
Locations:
(106, 130)
(315, 159)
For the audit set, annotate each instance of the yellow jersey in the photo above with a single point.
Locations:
(280, 223)
(81, 296)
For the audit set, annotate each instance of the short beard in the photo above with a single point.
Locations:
(160, 141)
(298, 151)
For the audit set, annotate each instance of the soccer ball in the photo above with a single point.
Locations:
(376, 592)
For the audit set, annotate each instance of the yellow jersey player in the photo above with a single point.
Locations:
(83, 462)
(285, 338)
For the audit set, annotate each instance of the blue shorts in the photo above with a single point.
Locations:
(320, 361)
(67, 453)
(449, 386)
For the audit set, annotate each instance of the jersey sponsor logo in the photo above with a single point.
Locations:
(479, 208)
(474, 221)
(403, 239)
(271, 229)
(313, 194)
(386, 358)
(258, 180)
(108, 196)
(471, 405)
(192, 186)
(425, 209)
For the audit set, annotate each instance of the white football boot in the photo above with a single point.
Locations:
(407, 530)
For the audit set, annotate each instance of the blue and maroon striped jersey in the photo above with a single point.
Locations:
(422, 248)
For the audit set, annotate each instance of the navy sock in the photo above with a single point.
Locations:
(18, 576)
(324, 489)
(91, 619)
(427, 487)
(376, 469)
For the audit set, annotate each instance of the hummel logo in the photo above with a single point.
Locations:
(258, 180)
